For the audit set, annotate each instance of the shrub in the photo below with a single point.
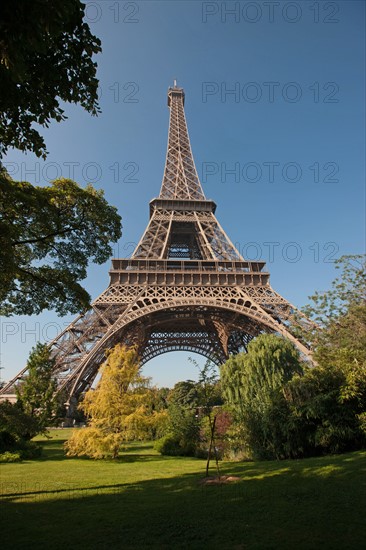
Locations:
(173, 445)
(13, 450)
(168, 446)
(30, 450)
(10, 457)
(7, 441)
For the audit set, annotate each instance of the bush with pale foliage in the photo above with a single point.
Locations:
(119, 409)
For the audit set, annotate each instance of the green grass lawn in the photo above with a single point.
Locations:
(144, 500)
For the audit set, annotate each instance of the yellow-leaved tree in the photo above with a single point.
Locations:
(120, 408)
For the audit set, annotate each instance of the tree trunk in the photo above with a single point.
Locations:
(212, 427)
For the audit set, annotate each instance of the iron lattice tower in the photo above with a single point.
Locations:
(185, 287)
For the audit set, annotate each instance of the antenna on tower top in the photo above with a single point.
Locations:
(175, 83)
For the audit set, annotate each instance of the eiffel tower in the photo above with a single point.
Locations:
(185, 287)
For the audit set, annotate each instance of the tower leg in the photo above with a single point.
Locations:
(71, 408)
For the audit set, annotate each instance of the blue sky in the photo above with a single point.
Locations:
(291, 131)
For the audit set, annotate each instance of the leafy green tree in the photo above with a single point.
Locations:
(48, 236)
(184, 394)
(36, 408)
(182, 428)
(36, 393)
(330, 401)
(252, 386)
(349, 289)
(46, 53)
(160, 398)
(327, 409)
(119, 409)
(189, 403)
(289, 413)
(16, 426)
(157, 408)
(342, 342)
(183, 431)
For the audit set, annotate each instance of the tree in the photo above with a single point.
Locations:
(46, 55)
(182, 428)
(342, 342)
(347, 290)
(322, 409)
(119, 409)
(37, 406)
(189, 404)
(160, 400)
(209, 397)
(16, 426)
(341, 314)
(48, 236)
(157, 413)
(36, 393)
(327, 406)
(331, 399)
(184, 394)
(252, 386)
(329, 402)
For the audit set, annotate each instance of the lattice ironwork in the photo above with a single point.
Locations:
(180, 179)
(186, 287)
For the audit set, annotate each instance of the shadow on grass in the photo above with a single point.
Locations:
(323, 466)
(53, 449)
(282, 505)
(136, 447)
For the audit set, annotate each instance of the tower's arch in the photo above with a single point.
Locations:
(212, 328)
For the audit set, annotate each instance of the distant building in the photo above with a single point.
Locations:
(8, 397)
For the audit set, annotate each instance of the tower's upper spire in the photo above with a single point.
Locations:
(180, 179)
